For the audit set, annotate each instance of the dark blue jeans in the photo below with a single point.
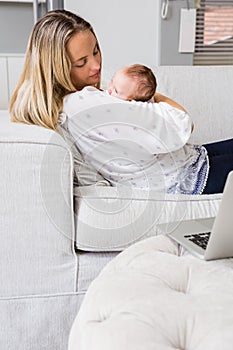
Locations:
(221, 163)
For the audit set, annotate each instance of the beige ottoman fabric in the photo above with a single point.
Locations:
(149, 297)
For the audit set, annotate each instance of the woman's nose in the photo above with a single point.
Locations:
(95, 63)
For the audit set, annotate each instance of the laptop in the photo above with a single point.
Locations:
(210, 238)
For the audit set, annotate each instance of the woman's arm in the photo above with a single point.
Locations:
(161, 98)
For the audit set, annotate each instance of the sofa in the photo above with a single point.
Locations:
(55, 239)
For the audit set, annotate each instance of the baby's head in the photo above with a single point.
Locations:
(136, 82)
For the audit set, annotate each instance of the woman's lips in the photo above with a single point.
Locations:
(96, 75)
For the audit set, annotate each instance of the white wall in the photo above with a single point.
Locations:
(170, 29)
(127, 30)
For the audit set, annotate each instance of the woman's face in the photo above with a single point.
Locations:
(85, 59)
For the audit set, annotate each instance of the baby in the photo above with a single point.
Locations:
(136, 82)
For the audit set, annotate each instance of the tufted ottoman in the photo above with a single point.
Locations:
(152, 298)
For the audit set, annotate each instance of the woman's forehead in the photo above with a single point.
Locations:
(80, 45)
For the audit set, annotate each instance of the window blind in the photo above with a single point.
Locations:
(214, 33)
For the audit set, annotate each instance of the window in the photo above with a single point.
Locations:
(214, 33)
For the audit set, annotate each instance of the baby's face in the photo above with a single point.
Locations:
(122, 86)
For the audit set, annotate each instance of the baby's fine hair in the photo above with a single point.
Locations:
(146, 81)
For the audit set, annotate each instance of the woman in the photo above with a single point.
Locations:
(143, 145)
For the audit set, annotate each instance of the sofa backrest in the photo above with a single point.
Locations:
(206, 93)
(36, 211)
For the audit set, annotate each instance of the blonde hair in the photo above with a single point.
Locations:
(45, 80)
(145, 80)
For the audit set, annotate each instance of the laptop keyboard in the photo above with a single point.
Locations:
(200, 239)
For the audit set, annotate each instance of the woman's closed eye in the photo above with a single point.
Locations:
(80, 65)
(84, 60)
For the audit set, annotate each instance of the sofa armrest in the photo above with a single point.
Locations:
(36, 212)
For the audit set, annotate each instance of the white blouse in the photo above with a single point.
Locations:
(132, 143)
